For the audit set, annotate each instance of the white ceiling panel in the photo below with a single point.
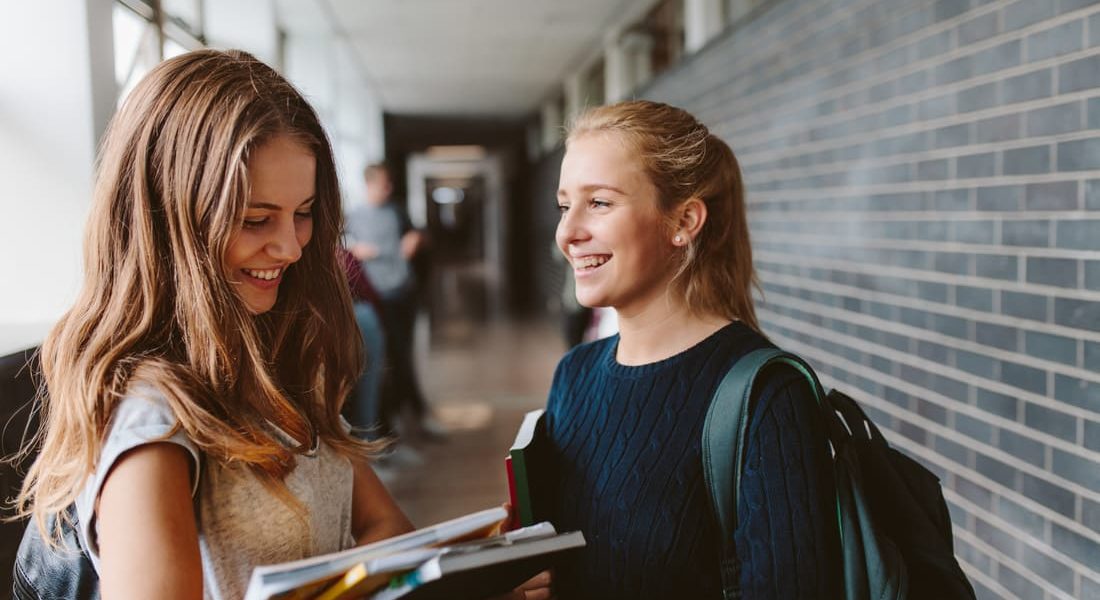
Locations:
(462, 57)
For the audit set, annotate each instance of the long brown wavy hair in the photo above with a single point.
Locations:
(157, 307)
(684, 160)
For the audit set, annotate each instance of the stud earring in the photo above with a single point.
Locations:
(678, 240)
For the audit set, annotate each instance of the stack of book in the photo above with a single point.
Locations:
(465, 557)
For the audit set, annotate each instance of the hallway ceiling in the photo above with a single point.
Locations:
(499, 58)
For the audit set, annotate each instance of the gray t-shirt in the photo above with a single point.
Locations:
(241, 524)
(382, 226)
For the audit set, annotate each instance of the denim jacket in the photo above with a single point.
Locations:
(45, 573)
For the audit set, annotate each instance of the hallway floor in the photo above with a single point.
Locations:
(480, 379)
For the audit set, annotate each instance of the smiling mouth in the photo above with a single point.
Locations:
(264, 274)
(590, 263)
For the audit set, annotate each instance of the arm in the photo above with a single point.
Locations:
(787, 538)
(374, 514)
(148, 540)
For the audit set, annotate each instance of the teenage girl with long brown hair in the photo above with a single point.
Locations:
(653, 222)
(191, 406)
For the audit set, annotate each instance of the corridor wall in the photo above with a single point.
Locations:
(924, 189)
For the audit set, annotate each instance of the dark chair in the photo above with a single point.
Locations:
(17, 390)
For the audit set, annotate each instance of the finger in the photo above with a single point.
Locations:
(541, 580)
(539, 594)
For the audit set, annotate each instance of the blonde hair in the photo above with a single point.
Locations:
(157, 307)
(684, 160)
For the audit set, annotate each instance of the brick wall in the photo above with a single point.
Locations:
(924, 191)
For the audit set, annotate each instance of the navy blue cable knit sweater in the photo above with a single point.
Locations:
(629, 470)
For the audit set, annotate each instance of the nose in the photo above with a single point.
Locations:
(571, 228)
(284, 245)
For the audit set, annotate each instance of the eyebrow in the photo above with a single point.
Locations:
(271, 206)
(596, 186)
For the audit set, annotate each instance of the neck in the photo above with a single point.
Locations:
(654, 335)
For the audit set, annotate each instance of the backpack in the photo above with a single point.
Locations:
(895, 531)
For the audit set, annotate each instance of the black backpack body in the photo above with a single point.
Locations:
(895, 531)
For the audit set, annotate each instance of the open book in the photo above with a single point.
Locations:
(528, 465)
(306, 578)
(472, 570)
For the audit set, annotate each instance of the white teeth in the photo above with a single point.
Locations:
(266, 275)
(588, 262)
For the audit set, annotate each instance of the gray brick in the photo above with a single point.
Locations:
(977, 98)
(1062, 118)
(974, 298)
(953, 451)
(1071, 543)
(974, 428)
(1092, 357)
(1058, 272)
(997, 267)
(1077, 392)
(1026, 233)
(975, 364)
(955, 70)
(978, 29)
(954, 135)
(933, 170)
(932, 292)
(932, 351)
(1065, 6)
(1029, 86)
(1025, 306)
(1081, 74)
(998, 404)
(998, 129)
(1094, 112)
(1016, 583)
(978, 165)
(1048, 494)
(934, 108)
(1092, 194)
(956, 263)
(1022, 517)
(1079, 155)
(1023, 448)
(1000, 197)
(931, 411)
(1077, 313)
(948, 325)
(913, 82)
(996, 470)
(1092, 435)
(1090, 514)
(950, 200)
(1050, 421)
(1055, 195)
(1055, 41)
(998, 336)
(1025, 12)
(935, 44)
(1027, 161)
(1051, 347)
(1077, 470)
(974, 492)
(1078, 235)
(1024, 377)
(996, 58)
(949, 9)
(973, 232)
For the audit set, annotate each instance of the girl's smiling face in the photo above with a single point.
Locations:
(278, 220)
(611, 227)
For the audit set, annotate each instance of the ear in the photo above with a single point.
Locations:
(690, 217)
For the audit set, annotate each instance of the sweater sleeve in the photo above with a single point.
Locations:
(786, 538)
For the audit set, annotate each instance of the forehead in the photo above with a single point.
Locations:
(601, 157)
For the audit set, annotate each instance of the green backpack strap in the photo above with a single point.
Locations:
(723, 435)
